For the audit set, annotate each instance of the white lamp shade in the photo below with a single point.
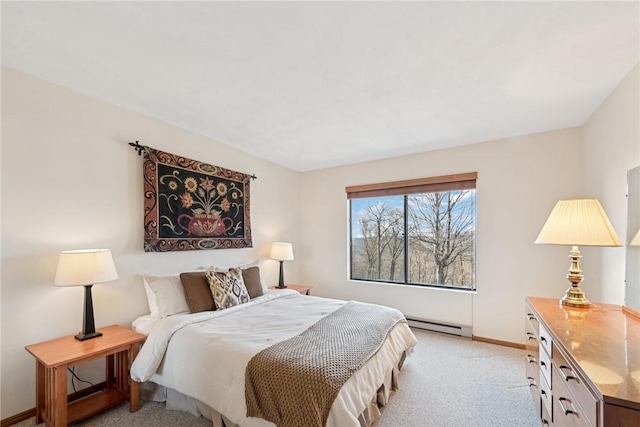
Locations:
(281, 251)
(85, 267)
(578, 222)
(636, 240)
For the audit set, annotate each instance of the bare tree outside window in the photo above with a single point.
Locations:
(442, 236)
(377, 239)
(436, 228)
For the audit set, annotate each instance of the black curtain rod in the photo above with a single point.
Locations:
(136, 146)
(140, 148)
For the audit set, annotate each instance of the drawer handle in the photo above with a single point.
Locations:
(564, 408)
(565, 376)
(531, 316)
(531, 359)
(543, 339)
(530, 336)
(532, 382)
(543, 364)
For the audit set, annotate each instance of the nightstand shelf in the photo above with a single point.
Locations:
(93, 404)
(118, 345)
(303, 289)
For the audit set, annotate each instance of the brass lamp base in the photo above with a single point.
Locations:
(574, 297)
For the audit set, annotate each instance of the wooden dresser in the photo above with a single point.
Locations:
(583, 364)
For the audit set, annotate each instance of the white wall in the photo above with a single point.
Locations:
(70, 181)
(519, 182)
(612, 147)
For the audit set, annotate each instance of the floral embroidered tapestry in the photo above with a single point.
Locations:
(191, 205)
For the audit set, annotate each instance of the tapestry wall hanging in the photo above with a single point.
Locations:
(190, 205)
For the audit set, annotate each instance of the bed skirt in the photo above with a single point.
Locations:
(180, 402)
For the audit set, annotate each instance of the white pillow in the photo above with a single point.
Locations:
(165, 295)
(151, 298)
(254, 263)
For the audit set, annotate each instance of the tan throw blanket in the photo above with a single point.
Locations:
(294, 383)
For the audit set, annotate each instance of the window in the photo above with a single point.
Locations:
(417, 232)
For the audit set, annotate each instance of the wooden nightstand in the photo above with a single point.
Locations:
(303, 289)
(118, 344)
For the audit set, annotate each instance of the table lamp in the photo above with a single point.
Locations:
(282, 252)
(85, 268)
(577, 222)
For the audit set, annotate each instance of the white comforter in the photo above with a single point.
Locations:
(204, 355)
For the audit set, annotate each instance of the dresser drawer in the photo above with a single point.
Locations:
(546, 342)
(532, 353)
(533, 376)
(531, 334)
(566, 411)
(532, 320)
(574, 397)
(545, 365)
(546, 418)
(545, 396)
(533, 369)
(533, 380)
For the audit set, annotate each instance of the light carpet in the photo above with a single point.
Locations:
(447, 382)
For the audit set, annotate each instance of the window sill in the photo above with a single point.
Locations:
(414, 286)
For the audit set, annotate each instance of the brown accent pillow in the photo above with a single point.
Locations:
(251, 278)
(197, 291)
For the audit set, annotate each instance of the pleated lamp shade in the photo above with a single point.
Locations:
(578, 222)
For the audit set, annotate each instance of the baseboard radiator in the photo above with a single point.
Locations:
(446, 328)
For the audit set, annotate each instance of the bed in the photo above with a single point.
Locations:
(199, 361)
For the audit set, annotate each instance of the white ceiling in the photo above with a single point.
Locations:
(310, 85)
